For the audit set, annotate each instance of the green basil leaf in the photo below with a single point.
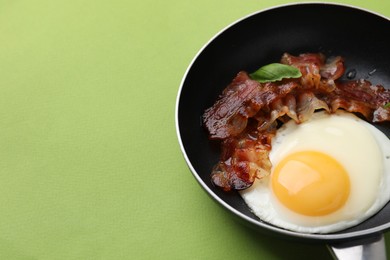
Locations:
(387, 105)
(275, 72)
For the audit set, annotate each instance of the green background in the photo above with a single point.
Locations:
(90, 166)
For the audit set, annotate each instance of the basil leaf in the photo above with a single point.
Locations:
(387, 105)
(275, 72)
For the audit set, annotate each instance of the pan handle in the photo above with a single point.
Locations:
(368, 248)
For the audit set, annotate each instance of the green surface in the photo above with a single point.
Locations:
(90, 166)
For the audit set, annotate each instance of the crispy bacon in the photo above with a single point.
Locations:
(246, 115)
(241, 100)
(225, 117)
(309, 64)
(361, 97)
(243, 159)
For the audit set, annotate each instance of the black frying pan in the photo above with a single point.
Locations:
(362, 37)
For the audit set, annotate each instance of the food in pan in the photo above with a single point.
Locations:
(317, 186)
(298, 168)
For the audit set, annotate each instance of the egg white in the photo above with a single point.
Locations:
(361, 148)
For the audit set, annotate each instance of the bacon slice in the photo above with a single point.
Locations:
(241, 100)
(309, 64)
(224, 118)
(246, 115)
(315, 66)
(361, 97)
(244, 158)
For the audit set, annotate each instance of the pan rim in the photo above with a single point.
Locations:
(308, 236)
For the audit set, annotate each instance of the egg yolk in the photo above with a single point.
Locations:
(310, 183)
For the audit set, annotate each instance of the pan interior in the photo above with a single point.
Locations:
(359, 36)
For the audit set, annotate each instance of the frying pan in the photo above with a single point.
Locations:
(360, 36)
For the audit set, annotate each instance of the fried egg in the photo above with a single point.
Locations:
(328, 174)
